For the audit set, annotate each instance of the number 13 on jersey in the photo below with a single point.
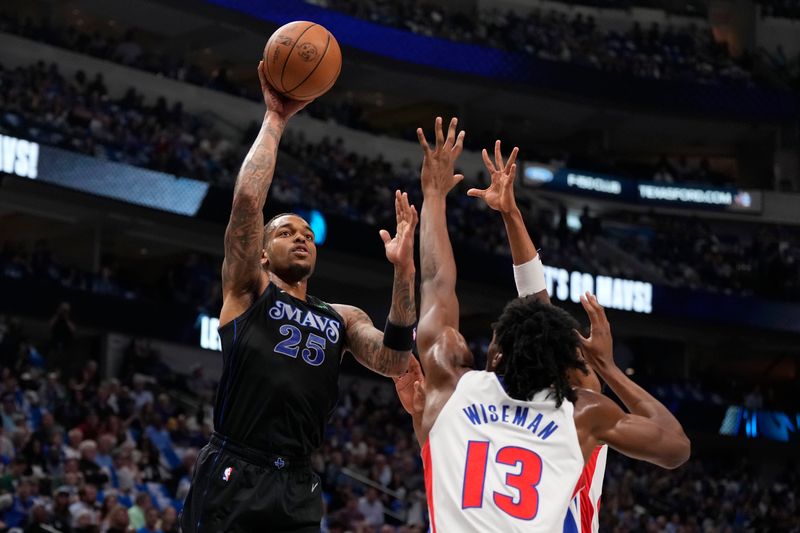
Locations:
(523, 505)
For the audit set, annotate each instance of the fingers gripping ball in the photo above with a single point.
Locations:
(303, 60)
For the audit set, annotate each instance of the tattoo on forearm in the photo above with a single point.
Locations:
(403, 311)
(245, 227)
(366, 344)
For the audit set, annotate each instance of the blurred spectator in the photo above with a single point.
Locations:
(139, 510)
(17, 514)
(61, 519)
(117, 521)
(371, 508)
(85, 511)
(150, 522)
(62, 329)
(169, 521)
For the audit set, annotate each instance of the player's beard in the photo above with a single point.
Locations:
(298, 272)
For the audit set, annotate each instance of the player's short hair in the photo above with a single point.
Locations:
(539, 344)
(268, 226)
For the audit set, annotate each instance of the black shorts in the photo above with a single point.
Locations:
(237, 489)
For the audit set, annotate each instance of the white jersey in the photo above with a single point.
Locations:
(493, 463)
(583, 515)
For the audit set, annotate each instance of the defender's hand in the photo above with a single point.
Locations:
(282, 107)
(410, 389)
(500, 193)
(400, 249)
(598, 349)
(438, 164)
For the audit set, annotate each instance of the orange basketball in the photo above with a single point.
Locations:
(303, 60)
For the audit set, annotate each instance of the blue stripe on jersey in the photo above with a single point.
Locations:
(569, 522)
(226, 392)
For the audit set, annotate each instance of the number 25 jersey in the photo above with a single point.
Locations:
(280, 373)
(493, 463)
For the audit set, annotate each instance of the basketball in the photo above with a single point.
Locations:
(303, 60)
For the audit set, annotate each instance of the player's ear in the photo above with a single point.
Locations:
(264, 257)
(495, 362)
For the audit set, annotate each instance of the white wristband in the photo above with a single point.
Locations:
(529, 277)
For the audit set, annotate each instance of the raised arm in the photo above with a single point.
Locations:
(650, 432)
(242, 275)
(442, 349)
(387, 352)
(528, 271)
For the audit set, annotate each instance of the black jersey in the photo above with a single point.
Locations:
(281, 372)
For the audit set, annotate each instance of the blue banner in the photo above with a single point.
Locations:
(619, 189)
(724, 100)
(138, 186)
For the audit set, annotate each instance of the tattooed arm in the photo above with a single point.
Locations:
(365, 341)
(242, 276)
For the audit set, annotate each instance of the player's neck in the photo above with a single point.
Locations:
(297, 289)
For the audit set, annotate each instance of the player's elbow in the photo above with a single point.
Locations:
(679, 452)
(246, 199)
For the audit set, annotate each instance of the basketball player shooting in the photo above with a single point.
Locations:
(281, 354)
(504, 448)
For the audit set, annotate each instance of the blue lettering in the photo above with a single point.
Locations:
(520, 415)
(331, 327)
(493, 413)
(533, 426)
(309, 320)
(277, 311)
(322, 322)
(505, 414)
(547, 430)
(332, 332)
(292, 313)
(472, 413)
(483, 410)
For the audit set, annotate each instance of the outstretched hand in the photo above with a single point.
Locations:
(283, 107)
(439, 163)
(400, 249)
(598, 348)
(500, 193)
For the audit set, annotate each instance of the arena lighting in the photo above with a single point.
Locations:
(209, 338)
(19, 157)
(317, 222)
(772, 425)
(538, 174)
(612, 293)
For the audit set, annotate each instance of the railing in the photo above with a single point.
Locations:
(401, 517)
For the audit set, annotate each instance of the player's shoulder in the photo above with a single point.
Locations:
(451, 343)
(590, 403)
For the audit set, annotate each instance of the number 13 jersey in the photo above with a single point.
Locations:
(280, 373)
(493, 463)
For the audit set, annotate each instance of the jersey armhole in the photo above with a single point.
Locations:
(247, 311)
